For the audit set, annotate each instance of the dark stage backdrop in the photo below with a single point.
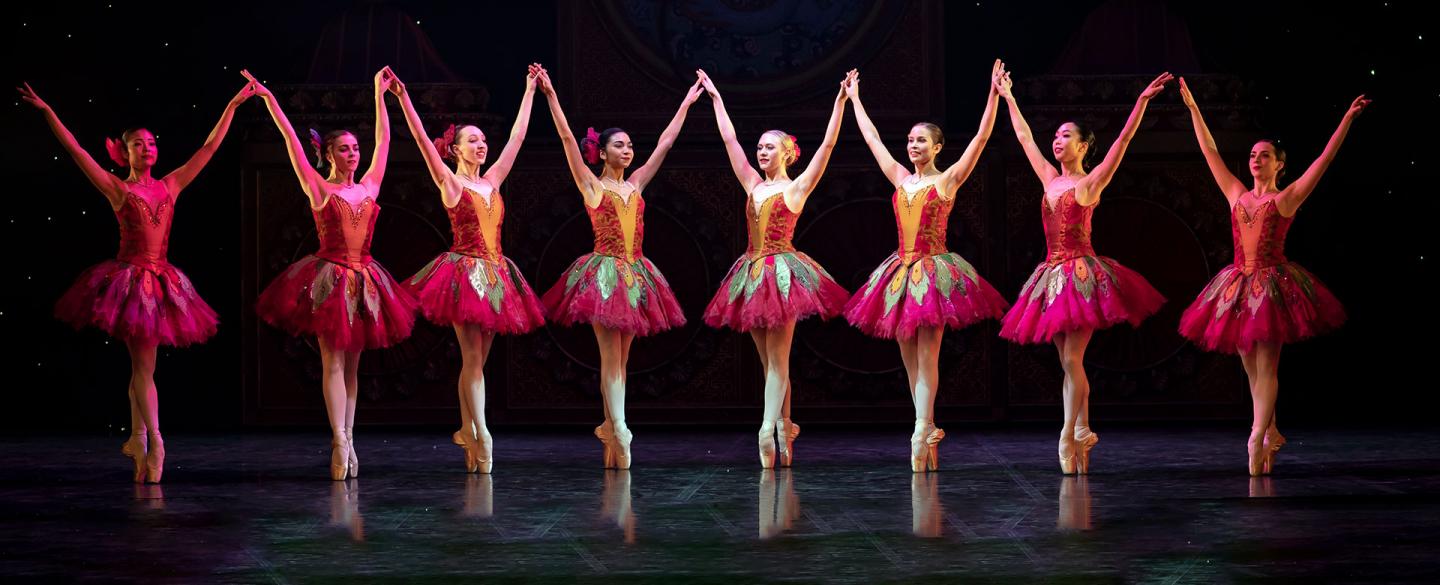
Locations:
(1271, 69)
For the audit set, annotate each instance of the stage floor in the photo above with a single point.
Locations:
(1171, 506)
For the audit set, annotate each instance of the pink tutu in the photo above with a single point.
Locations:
(351, 308)
(140, 296)
(1262, 297)
(155, 305)
(1087, 292)
(940, 290)
(767, 291)
(601, 289)
(1283, 304)
(460, 289)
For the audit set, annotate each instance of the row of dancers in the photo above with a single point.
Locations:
(348, 302)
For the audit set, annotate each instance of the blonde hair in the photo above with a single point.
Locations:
(789, 148)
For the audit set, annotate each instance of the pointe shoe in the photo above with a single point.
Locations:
(1085, 439)
(135, 449)
(154, 458)
(1273, 443)
(1257, 454)
(471, 446)
(767, 446)
(354, 460)
(485, 445)
(932, 443)
(621, 450)
(607, 440)
(788, 430)
(458, 438)
(924, 447)
(339, 458)
(1069, 456)
(919, 454)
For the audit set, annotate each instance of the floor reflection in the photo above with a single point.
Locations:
(779, 506)
(345, 508)
(925, 508)
(479, 496)
(615, 502)
(1074, 503)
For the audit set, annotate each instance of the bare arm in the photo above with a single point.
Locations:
(800, 188)
(444, 178)
(181, 177)
(646, 172)
(893, 170)
(381, 157)
(310, 180)
(585, 180)
(1231, 186)
(1088, 190)
(1300, 190)
(501, 167)
(739, 163)
(109, 185)
(1038, 163)
(956, 174)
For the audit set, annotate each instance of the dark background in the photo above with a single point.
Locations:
(1278, 69)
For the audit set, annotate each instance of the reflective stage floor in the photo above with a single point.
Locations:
(1162, 506)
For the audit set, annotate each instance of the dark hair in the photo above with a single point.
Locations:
(936, 134)
(1087, 137)
(1279, 153)
(119, 150)
(130, 132)
(322, 145)
(592, 144)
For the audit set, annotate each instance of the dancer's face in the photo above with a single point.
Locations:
(470, 146)
(1264, 164)
(618, 151)
(921, 146)
(141, 150)
(345, 153)
(1068, 144)
(770, 154)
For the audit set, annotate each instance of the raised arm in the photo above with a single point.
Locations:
(739, 162)
(893, 170)
(806, 181)
(1089, 188)
(376, 173)
(642, 175)
(310, 179)
(1300, 190)
(501, 167)
(1231, 186)
(109, 185)
(1038, 163)
(444, 178)
(585, 180)
(181, 177)
(954, 176)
